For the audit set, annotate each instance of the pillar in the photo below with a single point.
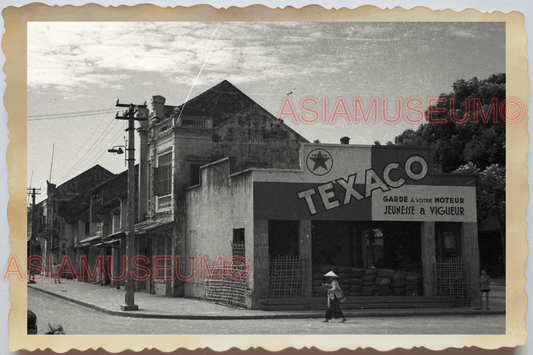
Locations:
(304, 245)
(260, 262)
(470, 254)
(142, 193)
(428, 255)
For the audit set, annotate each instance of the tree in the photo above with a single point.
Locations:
(478, 139)
(490, 195)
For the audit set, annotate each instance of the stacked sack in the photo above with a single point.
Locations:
(398, 283)
(411, 284)
(383, 282)
(369, 282)
(344, 280)
(356, 281)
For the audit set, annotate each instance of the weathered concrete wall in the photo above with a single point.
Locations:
(255, 139)
(214, 208)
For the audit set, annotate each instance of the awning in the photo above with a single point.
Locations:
(112, 241)
(87, 241)
(115, 236)
(155, 225)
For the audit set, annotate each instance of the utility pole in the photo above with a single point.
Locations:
(129, 115)
(32, 191)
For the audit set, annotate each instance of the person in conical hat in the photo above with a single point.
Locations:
(331, 274)
(335, 295)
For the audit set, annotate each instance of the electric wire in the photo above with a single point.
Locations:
(81, 149)
(104, 151)
(65, 115)
(90, 149)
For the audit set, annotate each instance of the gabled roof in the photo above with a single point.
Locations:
(82, 182)
(111, 189)
(268, 114)
(219, 103)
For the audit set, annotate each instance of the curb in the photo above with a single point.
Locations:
(318, 314)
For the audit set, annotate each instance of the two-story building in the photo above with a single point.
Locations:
(220, 177)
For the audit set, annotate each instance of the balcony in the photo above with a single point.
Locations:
(189, 122)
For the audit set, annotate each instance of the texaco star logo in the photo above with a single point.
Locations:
(319, 162)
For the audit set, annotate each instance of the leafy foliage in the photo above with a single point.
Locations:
(490, 190)
(478, 139)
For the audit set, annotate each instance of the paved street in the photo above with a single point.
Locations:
(82, 320)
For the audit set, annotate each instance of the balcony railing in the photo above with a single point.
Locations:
(194, 122)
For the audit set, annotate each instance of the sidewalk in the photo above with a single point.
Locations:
(108, 300)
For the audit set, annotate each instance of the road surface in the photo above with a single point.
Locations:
(77, 319)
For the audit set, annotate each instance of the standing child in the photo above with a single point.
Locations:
(484, 285)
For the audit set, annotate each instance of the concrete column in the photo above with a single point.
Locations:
(470, 254)
(260, 263)
(143, 168)
(428, 255)
(304, 244)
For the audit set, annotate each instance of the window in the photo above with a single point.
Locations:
(163, 175)
(194, 174)
(87, 228)
(238, 242)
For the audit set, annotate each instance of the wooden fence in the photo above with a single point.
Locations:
(227, 292)
(451, 279)
(285, 277)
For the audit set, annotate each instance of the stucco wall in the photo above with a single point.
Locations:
(214, 208)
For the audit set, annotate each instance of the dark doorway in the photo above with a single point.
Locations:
(393, 245)
(332, 243)
(283, 238)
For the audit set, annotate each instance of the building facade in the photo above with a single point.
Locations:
(346, 208)
(220, 179)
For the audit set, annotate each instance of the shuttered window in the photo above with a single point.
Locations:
(163, 175)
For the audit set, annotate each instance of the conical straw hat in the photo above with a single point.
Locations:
(330, 274)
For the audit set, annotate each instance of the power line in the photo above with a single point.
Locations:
(102, 151)
(83, 146)
(90, 149)
(66, 115)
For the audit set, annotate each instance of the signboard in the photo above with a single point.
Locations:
(344, 182)
(425, 203)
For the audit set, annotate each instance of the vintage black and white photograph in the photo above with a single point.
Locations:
(267, 178)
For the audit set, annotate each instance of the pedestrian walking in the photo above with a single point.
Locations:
(484, 286)
(55, 270)
(335, 296)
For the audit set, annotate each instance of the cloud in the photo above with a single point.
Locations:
(76, 55)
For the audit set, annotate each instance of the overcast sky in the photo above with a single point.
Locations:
(77, 68)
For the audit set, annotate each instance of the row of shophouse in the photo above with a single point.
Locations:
(219, 176)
